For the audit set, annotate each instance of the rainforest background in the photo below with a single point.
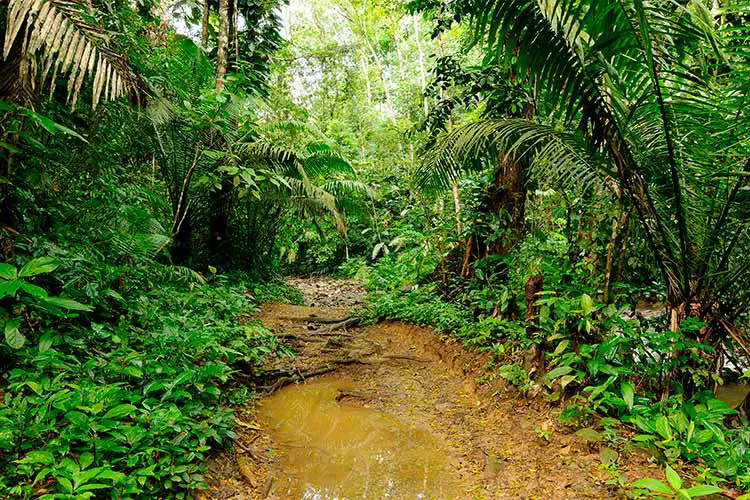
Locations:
(564, 184)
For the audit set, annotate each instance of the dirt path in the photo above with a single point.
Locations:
(494, 445)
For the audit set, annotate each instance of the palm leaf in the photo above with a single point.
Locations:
(62, 34)
(552, 155)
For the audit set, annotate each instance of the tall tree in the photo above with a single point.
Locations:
(652, 97)
(222, 44)
(205, 24)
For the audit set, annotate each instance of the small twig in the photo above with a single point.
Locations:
(268, 485)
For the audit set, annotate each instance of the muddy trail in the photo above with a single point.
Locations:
(393, 411)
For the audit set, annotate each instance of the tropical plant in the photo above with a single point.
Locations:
(675, 488)
(308, 183)
(646, 99)
(59, 37)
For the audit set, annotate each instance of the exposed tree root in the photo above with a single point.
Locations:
(293, 378)
(343, 324)
(406, 357)
(313, 319)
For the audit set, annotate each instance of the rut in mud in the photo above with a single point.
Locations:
(392, 411)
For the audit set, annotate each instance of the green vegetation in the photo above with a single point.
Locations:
(562, 184)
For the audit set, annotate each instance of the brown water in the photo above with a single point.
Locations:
(330, 450)
(733, 394)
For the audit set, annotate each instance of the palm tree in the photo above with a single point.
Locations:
(310, 183)
(649, 99)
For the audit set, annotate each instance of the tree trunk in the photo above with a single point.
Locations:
(234, 41)
(366, 74)
(457, 206)
(182, 247)
(622, 246)
(422, 72)
(204, 27)
(678, 311)
(507, 198)
(617, 220)
(222, 46)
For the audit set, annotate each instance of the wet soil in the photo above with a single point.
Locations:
(393, 411)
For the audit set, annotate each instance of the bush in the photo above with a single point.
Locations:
(122, 403)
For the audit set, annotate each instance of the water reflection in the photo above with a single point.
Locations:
(341, 451)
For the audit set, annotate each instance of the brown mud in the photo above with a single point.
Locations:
(393, 411)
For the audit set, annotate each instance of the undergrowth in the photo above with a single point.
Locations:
(125, 396)
(600, 363)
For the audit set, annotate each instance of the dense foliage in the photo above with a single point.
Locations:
(562, 184)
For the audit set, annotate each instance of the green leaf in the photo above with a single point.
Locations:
(663, 427)
(69, 304)
(46, 341)
(589, 435)
(559, 372)
(94, 486)
(587, 304)
(38, 457)
(34, 386)
(703, 490)
(13, 337)
(608, 456)
(566, 380)
(628, 393)
(119, 411)
(34, 291)
(65, 482)
(9, 147)
(561, 347)
(85, 459)
(9, 288)
(653, 485)
(7, 271)
(39, 265)
(673, 478)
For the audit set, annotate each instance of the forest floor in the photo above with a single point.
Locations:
(394, 411)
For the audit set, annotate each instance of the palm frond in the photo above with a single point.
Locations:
(552, 155)
(67, 41)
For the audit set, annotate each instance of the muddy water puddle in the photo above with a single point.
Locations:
(340, 450)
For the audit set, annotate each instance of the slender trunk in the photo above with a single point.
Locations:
(456, 192)
(622, 246)
(384, 77)
(400, 58)
(457, 206)
(204, 26)
(366, 74)
(677, 312)
(611, 251)
(222, 46)
(422, 72)
(234, 34)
